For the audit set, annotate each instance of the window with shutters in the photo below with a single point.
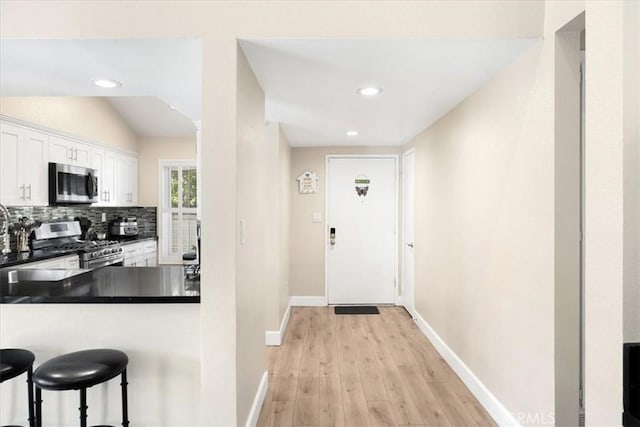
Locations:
(178, 211)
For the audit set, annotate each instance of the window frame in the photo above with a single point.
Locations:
(164, 206)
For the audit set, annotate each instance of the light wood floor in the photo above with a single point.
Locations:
(373, 370)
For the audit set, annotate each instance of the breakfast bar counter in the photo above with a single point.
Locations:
(108, 285)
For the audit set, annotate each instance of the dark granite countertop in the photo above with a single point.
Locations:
(134, 239)
(108, 285)
(17, 258)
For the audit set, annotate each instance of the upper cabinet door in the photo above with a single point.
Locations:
(109, 177)
(127, 180)
(23, 159)
(63, 150)
(35, 168)
(60, 150)
(104, 162)
(11, 192)
(82, 154)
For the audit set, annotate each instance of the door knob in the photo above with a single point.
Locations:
(410, 244)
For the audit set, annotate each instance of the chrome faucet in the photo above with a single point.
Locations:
(4, 230)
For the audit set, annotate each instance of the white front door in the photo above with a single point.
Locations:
(408, 228)
(361, 241)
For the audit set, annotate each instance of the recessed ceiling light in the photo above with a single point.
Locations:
(352, 133)
(106, 83)
(172, 107)
(370, 91)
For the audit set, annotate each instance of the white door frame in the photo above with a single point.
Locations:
(404, 155)
(395, 157)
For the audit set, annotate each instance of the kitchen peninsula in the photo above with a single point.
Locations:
(103, 285)
(150, 313)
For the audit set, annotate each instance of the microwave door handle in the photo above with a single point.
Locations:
(90, 186)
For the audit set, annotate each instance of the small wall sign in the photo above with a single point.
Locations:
(307, 182)
(362, 185)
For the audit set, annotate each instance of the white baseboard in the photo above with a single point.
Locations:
(272, 338)
(493, 406)
(308, 301)
(261, 393)
(276, 337)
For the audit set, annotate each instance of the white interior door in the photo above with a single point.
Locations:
(408, 229)
(361, 207)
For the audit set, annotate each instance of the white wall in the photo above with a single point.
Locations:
(278, 163)
(92, 118)
(161, 340)
(257, 270)
(307, 237)
(484, 233)
(604, 198)
(284, 195)
(567, 192)
(150, 151)
(632, 172)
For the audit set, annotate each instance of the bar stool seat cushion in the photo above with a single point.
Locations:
(81, 369)
(189, 256)
(13, 362)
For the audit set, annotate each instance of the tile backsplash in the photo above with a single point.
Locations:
(146, 216)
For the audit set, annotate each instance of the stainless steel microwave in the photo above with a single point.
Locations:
(72, 184)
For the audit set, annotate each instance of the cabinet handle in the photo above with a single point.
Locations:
(22, 186)
(70, 154)
(29, 187)
(75, 157)
(108, 195)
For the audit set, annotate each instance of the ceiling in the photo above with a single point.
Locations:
(166, 69)
(150, 116)
(310, 85)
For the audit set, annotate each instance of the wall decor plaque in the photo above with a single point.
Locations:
(307, 182)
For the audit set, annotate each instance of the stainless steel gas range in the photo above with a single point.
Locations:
(64, 237)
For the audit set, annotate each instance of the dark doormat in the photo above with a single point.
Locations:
(356, 309)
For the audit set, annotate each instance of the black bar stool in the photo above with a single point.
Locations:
(14, 362)
(79, 371)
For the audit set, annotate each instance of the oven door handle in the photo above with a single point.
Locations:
(97, 263)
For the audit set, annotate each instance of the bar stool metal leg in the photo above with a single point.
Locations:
(32, 420)
(125, 407)
(38, 407)
(83, 407)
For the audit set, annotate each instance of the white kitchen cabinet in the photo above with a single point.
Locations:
(141, 254)
(104, 162)
(69, 152)
(25, 154)
(23, 166)
(127, 180)
(64, 262)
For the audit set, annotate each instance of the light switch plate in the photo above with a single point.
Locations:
(316, 217)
